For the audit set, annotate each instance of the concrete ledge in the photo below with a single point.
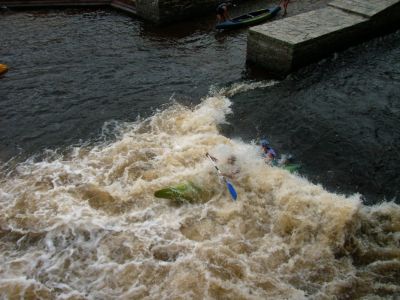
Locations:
(288, 44)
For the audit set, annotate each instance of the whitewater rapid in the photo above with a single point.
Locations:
(85, 224)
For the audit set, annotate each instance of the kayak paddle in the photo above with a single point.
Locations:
(229, 185)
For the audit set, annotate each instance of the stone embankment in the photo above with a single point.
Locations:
(128, 6)
(290, 43)
(51, 3)
(157, 11)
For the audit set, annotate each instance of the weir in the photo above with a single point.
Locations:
(288, 44)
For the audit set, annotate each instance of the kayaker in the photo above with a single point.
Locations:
(231, 168)
(222, 12)
(269, 154)
(284, 4)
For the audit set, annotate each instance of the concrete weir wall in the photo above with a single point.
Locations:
(288, 44)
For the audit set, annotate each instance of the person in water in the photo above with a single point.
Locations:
(269, 154)
(284, 4)
(229, 169)
(222, 12)
(271, 158)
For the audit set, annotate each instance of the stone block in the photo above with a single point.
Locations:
(287, 44)
(365, 8)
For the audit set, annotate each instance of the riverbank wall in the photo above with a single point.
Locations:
(156, 11)
(51, 3)
(285, 45)
(128, 6)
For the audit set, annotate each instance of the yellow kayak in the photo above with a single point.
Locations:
(3, 69)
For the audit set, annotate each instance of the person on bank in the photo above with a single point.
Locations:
(222, 12)
(284, 4)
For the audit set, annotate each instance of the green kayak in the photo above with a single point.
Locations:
(291, 167)
(184, 192)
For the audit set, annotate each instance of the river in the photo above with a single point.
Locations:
(100, 110)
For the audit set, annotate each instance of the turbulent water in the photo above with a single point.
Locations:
(87, 226)
(82, 222)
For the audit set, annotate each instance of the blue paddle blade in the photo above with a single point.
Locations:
(231, 190)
